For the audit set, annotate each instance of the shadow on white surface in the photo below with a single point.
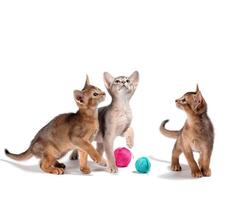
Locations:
(28, 168)
(185, 173)
(72, 167)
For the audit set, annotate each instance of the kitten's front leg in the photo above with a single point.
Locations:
(129, 135)
(100, 150)
(108, 145)
(83, 162)
(195, 171)
(87, 147)
(204, 161)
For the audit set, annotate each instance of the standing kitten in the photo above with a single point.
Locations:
(66, 132)
(115, 119)
(196, 135)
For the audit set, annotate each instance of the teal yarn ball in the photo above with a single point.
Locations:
(143, 165)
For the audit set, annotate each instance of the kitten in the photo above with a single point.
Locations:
(196, 135)
(66, 132)
(115, 119)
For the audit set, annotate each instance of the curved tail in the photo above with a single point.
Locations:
(22, 156)
(168, 133)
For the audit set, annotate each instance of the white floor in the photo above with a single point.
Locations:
(46, 49)
(25, 180)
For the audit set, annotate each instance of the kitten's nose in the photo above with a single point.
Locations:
(123, 82)
(176, 100)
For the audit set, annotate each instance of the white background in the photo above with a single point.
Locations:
(47, 47)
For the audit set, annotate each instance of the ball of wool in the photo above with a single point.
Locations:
(122, 157)
(143, 165)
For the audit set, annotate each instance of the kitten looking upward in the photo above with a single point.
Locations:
(197, 134)
(115, 119)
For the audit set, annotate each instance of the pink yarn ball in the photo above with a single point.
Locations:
(122, 157)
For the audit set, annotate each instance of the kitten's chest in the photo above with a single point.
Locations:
(124, 117)
(91, 132)
(87, 131)
(199, 136)
(122, 120)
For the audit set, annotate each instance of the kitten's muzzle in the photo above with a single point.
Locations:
(103, 96)
(177, 103)
(124, 85)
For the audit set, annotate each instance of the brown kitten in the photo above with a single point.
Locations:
(196, 135)
(68, 132)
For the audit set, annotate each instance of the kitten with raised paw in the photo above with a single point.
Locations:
(196, 135)
(115, 119)
(68, 132)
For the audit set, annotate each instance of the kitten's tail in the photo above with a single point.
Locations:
(168, 133)
(22, 156)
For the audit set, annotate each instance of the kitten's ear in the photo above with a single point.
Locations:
(198, 92)
(134, 78)
(108, 79)
(198, 101)
(79, 97)
(87, 82)
(197, 88)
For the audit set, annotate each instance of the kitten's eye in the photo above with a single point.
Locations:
(128, 81)
(117, 81)
(183, 100)
(95, 94)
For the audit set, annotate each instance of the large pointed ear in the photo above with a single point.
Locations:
(198, 92)
(108, 79)
(198, 100)
(134, 78)
(79, 97)
(197, 88)
(87, 82)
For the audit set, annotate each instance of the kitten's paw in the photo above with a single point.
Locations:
(60, 165)
(57, 171)
(129, 142)
(112, 169)
(206, 172)
(176, 167)
(85, 170)
(197, 173)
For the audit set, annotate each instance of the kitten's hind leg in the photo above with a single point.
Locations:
(129, 135)
(204, 162)
(48, 165)
(59, 165)
(74, 155)
(175, 165)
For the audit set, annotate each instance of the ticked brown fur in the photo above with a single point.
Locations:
(197, 135)
(68, 132)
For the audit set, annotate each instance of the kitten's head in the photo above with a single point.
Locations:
(192, 102)
(89, 97)
(121, 86)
